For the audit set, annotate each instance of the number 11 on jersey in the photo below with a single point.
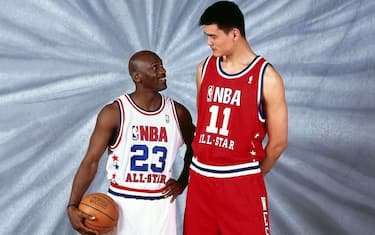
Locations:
(212, 126)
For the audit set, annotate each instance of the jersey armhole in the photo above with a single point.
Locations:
(204, 67)
(117, 140)
(175, 116)
(261, 115)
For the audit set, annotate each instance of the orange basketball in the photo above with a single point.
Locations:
(104, 208)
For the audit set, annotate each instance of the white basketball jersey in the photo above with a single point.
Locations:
(140, 161)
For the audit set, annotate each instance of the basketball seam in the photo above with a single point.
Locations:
(97, 226)
(98, 210)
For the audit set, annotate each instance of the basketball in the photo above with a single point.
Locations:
(104, 208)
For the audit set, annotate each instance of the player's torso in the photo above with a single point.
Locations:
(140, 162)
(230, 128)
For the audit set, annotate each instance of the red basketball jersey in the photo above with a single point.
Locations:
(230, 126)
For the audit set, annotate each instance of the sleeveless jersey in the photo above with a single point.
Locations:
(140, 161)
(230, 126)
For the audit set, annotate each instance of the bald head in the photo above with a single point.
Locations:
(138, 59)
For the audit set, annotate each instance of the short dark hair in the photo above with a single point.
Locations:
(226, 15)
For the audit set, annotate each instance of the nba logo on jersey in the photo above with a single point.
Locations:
(210, 93)
(167, 118)
(250, 80)
(135, 133)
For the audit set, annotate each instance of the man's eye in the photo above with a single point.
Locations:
(156, 67)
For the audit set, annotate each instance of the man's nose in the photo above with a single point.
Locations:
(209, 42)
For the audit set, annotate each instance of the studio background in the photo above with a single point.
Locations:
(62, 61)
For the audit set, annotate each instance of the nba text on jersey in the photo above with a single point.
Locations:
(220, 95)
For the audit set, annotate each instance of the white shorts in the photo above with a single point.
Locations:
(145, 217)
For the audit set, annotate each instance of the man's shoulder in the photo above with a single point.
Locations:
(110, 109)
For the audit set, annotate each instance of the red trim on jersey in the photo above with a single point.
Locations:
(175, 116)
(122, 118)
(144, 112)
(137, 190)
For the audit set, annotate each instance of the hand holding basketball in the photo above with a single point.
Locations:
(103, 208)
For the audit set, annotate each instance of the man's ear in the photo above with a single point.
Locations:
(137, 77)
(236, 33)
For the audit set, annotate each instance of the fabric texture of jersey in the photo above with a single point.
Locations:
(140, 163)
(230, 126)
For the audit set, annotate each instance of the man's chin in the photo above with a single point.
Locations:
(216, 54)
(163, 88)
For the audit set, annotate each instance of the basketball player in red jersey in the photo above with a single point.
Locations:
(142, 131)
(240, 100)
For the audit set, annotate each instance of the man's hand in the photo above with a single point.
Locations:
(172, 188)
(77, 217)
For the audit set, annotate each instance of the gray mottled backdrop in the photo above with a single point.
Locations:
(61, 61)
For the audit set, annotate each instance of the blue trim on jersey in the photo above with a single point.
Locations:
(135, 196)
(260, 108)
(204, 64)
(236, 74)
(225, 171)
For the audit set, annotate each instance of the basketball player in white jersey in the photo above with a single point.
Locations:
(143, 132)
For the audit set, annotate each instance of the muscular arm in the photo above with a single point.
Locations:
(187, 130)
(106, 125)
(276, 111)
(174, 188)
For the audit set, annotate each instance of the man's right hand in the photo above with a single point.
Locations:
(77, 218)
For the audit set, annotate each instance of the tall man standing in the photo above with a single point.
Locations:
(240, 100)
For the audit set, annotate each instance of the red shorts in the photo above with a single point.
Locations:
(226, 206)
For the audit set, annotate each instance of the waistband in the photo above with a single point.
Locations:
(225, 171)
(127, 192)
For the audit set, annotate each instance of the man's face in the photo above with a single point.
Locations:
(154, 74)
(221, 43)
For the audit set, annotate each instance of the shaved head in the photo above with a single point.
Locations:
(138, 59)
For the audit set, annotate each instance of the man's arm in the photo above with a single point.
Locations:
(106, 126)
(175, 188)
(276, 111)
(187, 130)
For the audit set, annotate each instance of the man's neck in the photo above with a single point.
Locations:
(149, 101)
(239, 59)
